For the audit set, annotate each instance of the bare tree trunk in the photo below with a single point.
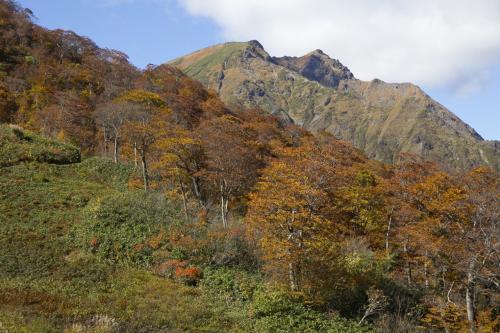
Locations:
(223, 207)
(226, 212)
(298, 266)
(184, 199)
(222, 211)
(292, 277)
(144, 170)
(115, 151)
(105, 142)
(197, 192)
(443, 279)
(389, 224)
(292, 268)
(135, 155)
(408, 263)
(426, 275)
(363, 318)
(448, 295)
(469, 298)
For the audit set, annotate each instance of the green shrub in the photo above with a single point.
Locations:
(277, 312)
(105, 171)
(125, 227)
(230, 283)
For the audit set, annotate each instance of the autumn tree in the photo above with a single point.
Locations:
(482, 247)
(458, 229)
(408, 171)
(112, 117)
(232, 162)
(181, 158)
(16, 33)
(53, 79)
(267, 133)
(148, 123)
(8, 105)
(298, 215)
(189, 101)
(284, 215)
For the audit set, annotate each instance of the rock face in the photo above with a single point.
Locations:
(321, 94)
(317, 66)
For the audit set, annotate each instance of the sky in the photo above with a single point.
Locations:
(451, 48)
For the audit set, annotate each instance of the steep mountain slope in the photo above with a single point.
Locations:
(52, 80)
(321, 94)
(55, 82)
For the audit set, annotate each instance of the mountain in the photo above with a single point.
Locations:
(137, 201)
(321, 94)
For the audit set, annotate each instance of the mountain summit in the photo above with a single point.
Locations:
(317, 66)
(321, 94)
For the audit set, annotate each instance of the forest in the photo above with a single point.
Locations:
(136, 201)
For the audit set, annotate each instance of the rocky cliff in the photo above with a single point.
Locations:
(321, 94)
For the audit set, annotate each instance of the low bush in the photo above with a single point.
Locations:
(278, 312)
(126, 227)
(230, 283)
(105, 171)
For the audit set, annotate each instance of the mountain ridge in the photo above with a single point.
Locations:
(321, 94)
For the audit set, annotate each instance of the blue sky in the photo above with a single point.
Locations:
(147, 31)
(155, 31)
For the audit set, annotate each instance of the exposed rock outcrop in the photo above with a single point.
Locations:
(321, 94)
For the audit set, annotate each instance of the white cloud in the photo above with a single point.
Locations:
(430, 42)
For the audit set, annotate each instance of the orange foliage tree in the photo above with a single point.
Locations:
(148, 123)
(305, 211)
(232, 161)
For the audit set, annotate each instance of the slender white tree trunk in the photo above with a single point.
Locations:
(292, 277)
(184, 199)
(115, 151)
(135, 155)
(387, 234)
(293, 264)
(226, 211)
(105, 142)
(223, 206)
(469, 298)
(224, 200)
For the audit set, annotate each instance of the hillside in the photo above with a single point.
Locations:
(69, 236)
(138, 201)
(321, 94)
(55, 82)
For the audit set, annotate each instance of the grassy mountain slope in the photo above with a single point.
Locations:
(54, 279)
(47, 283)
(321, 94)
